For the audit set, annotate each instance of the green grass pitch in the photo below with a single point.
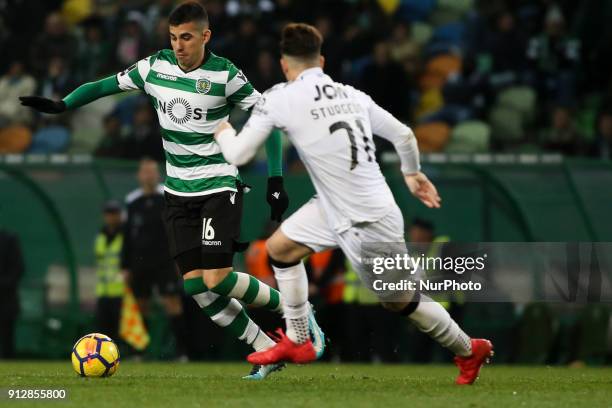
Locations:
(318, 385)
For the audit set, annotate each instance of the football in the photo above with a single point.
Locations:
(95, 355)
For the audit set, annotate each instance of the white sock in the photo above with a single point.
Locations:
(431, 318)
(256, 337)
(293, 286)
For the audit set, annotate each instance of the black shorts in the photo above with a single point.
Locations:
(203, 231)
(163, 277)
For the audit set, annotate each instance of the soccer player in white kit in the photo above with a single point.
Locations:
(331, 125)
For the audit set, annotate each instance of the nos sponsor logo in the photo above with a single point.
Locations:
(179, 110)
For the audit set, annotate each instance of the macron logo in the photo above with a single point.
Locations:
(276, 195)
(164, 76)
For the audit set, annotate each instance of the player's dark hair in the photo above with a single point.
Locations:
(187, 12)
(301, 40)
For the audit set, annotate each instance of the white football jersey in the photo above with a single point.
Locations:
(331, 126)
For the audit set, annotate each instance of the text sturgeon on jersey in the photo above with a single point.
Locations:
(330, 92)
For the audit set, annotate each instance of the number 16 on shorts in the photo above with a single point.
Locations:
(208, 232)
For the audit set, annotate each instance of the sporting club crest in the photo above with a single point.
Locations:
(203, 85)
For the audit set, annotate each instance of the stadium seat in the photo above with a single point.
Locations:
(430, 80)
(421, 32)
(449, 33)
(86, 128)
(75, 11)
(444, 65)
(389, 7)
(438, 70)
(431, 101)
(520, 98)
(506, 125)
(449, 11)
(451, 114)
(51, 139)
(432, 137)
(15, 139)
(460, 7)
(469, 137)
(433, 49)
(416, 10)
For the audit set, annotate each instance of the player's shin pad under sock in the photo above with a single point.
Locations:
(431, 318)
(229, 314)
(250, 290)
(293, 285)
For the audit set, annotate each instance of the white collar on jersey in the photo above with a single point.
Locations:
(310, 71)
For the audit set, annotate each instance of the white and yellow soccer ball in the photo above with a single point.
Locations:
(95, 355)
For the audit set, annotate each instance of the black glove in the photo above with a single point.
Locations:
(277, 197)
(43, 104)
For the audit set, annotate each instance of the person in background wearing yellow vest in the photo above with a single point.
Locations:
(110, 284)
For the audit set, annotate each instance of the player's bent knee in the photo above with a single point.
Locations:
(196, 273)
(212, 277)
(283, 250)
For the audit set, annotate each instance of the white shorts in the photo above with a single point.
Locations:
(308, 226)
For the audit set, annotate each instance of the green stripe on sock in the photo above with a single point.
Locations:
(216, 306)
(226, 285)
(239, 324)
(252, 291)
(274, 301)
(194, 286)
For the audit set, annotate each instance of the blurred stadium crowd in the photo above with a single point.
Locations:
(468, 75)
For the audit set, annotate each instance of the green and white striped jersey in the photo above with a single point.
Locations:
(190, 105)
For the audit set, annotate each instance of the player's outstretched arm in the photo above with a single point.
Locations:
(240, 149)
(276, 196)
(83, 95)
(388, 127)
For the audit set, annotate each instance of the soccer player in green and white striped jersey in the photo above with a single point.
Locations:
(193, 91)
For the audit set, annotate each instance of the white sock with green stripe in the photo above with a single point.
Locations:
(250, 290)
(229, 314)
